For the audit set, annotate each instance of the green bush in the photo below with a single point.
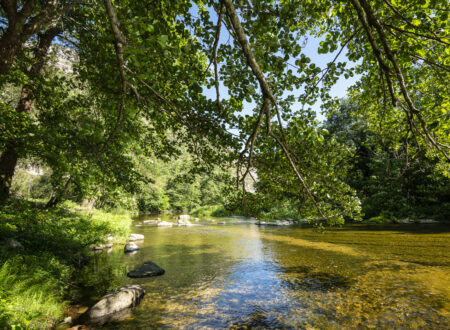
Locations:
(281, 213)
(214, 211)
(384, 218)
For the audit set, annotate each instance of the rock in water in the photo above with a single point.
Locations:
(165, 224)
(126, 297)
(130, 247)
(184, 217)
(136, 237)
(146, 270)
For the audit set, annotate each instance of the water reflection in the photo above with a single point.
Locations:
(240, 275)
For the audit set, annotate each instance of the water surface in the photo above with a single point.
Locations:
(237, 274)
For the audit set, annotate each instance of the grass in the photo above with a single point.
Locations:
(35, 277)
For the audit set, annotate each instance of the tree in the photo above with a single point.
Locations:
(155, 66)
(391, 179)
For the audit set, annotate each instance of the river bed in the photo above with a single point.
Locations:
(236, 274)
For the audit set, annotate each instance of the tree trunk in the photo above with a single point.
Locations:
(8, 161)
(88, 203)
(8, 50)
(9, 157)
(58, 194)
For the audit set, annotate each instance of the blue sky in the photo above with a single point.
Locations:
(310, 50)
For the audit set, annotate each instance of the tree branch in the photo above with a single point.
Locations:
(268, 96)
(119, 42)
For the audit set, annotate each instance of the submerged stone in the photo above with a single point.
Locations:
(146, 270)
(126, 297)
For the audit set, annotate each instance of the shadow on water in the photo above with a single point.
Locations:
(302, 278)
(258, 319)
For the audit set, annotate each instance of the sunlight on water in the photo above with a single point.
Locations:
(238, 275)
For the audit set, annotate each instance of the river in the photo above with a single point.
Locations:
(235, 274)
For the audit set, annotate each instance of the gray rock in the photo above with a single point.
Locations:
(108, 246)
(165, 224)
(97, 247)
(282, 223)
(183, 222)
(126, 297)
(196, 219)
(136, 237)
(427, 221)
(184, 217)
(150, 221)
(146, 270)
(130, 247)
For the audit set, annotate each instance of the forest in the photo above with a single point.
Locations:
(327, 112)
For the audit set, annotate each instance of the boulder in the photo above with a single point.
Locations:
(147, 269)
(184, 217)
(165, 224)
(130, 247)
(126, 297)
(97, 247)
(196, 219)
(136, 237)
(108, 246)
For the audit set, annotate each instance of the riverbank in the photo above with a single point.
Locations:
(40, 251)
